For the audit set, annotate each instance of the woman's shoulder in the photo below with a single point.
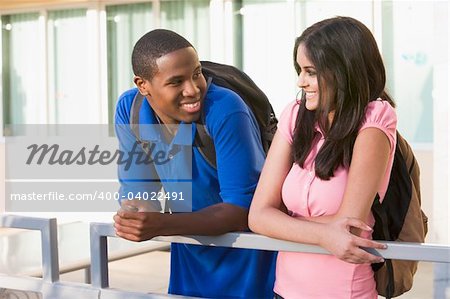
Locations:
(380, 112)
(291, 109)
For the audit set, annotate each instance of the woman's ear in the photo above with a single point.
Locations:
(142, 85)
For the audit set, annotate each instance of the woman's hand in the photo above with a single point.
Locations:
(339, 241)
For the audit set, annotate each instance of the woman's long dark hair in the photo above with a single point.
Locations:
(350, 74)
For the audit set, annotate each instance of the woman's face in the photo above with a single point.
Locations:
(307, 79)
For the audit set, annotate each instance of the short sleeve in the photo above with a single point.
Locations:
(240, 158)
(380, 114)
(286, 125)
(237, 141)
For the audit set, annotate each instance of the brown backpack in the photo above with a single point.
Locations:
(399, 218)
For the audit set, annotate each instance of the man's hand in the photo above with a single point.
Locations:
(137, 226)
(339, 241)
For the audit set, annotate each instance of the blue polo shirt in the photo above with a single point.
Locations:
(204, 271)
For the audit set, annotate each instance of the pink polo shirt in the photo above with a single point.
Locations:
(304, 275)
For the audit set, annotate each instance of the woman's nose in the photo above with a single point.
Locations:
(301, 82)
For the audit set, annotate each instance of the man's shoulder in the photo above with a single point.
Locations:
(126, 98)
(221, 102)
(123, 106)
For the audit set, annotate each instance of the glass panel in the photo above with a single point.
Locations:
(125, 25)
(69, 97)
(22, 73)
(310, 12)
(191, 20)
(268, 37)
(408, 50)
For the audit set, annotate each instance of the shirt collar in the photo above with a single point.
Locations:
(150, 129)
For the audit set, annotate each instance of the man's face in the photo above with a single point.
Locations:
(177, 89)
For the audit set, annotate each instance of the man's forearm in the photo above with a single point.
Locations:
(213, 220)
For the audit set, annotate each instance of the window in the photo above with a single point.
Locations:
(267, 41)
(125, 25)
(23, 83)
(409, 55)
(70, 98)
(191, 20)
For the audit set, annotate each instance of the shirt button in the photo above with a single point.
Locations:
(170, 156)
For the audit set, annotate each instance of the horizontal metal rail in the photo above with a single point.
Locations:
(394, 250)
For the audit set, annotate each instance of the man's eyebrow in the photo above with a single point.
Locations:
(180, 77)
(174, 78)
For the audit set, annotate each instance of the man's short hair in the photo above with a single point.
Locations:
(152, 46)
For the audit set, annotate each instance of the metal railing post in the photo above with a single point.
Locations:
(99, 253)
(49, 240)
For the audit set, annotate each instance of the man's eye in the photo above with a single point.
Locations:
(175, 82)
(196, 75)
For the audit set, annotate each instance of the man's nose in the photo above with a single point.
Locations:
(190, 89)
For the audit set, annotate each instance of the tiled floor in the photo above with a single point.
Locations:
(150, 272)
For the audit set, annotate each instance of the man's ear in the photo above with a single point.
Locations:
(141, 84)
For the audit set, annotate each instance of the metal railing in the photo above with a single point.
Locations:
(50, 287)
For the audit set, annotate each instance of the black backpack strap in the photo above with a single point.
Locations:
(381, 218)
(203, 140)
(205, 145)
(234, 79)
(134, 116)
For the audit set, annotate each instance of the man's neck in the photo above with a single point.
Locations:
(168, 130)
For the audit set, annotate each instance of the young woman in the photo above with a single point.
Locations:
(331, 155)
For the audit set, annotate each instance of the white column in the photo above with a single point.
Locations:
(441, 210)
(2, 140)
(94, 64)
(2, 176)
(216, 29)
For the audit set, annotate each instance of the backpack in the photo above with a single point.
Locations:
(399, 218)
(232, 78)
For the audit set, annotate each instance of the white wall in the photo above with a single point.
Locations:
(2, 177)
(425, 159)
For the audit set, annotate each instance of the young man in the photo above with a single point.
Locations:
(168, 73)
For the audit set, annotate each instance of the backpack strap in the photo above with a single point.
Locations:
(134, 119)
(203, 140)
(381, 216)
(205, 144)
